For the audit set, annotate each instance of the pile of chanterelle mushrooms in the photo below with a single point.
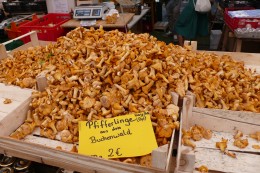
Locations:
(95, 74)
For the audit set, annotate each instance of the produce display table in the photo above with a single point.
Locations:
(238, 41)
(125, 20)
(121, 22)
(137, 18)
(234, 21)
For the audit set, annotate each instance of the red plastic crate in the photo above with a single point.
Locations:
(48, 27)
(236, 22)
(14, 30)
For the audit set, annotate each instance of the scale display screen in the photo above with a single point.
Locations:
(89, 12)
(96, 12)
(85, 12)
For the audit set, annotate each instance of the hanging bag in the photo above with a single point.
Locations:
(202, 6)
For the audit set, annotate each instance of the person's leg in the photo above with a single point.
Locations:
(180, 40)
(169, 12)
(186, 25)
(176, 13)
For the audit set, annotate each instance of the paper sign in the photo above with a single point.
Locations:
(88, 22)
(61, 6)
(123, 136)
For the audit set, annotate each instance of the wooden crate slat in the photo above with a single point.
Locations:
(220, 124)
(68, 160)
(14, 119)
(169, 161)
(217, 136)
(48, 142)
(247, 58)
(2, 115)
(29, 44)
(215, 160)
(161, 153)
(14, 92)
(7, 108)
(251, 60)
(240, 116)
(178, 157)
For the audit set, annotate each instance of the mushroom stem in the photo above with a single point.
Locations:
(124, 57)
(123, 91)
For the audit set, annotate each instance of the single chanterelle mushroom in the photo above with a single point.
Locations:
(222, 145)
(66, 136)
(87, 102)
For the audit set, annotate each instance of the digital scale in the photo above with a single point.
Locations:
(90, 11)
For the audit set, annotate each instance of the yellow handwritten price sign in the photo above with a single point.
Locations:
(123, 136)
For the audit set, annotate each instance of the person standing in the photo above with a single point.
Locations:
(172, 12)
(191, 23)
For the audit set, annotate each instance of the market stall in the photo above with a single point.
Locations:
(40, 146)
(108, 101)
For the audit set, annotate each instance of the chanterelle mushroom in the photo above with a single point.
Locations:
(87, 102)
(66, 136)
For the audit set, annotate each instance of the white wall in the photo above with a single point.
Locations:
(60, 6)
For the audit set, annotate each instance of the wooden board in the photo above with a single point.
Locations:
(121, 22)
(244, 163)
(248, 58)
(239, 116)
(251, 60)
(34, 42)
(47, 142)
(12, 115)
(217, 136)
(218, 162)
(224, 124)
(14, 92)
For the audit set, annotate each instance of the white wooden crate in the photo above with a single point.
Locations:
(34, 42)
(36, 148)
(43, 150)
(223, 123)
